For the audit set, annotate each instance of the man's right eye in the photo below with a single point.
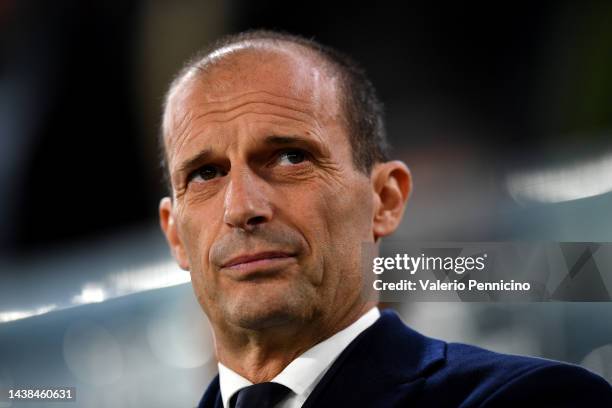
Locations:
(205, 173)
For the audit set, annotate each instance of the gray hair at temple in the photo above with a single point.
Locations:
(363, 111)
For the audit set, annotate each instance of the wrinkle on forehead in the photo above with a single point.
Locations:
(275, 115)
(278, 74)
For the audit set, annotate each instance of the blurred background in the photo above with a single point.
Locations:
(502, 112)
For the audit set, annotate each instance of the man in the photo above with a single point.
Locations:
(276, 158)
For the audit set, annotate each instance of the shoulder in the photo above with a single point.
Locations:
(553, 384)
(461, 375)
(483, 378)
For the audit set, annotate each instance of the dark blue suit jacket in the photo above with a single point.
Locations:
(391, 365)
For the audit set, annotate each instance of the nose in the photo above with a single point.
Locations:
(246, 203)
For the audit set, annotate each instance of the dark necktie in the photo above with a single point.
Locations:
(264, 395)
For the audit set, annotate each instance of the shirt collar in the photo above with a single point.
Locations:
(303, 373)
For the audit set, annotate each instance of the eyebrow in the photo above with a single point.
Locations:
(282, 140)
(296, 140)
(205, 154)
(194, 161)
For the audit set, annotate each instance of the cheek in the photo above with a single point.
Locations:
(349, 213)
(347, 216)
(197, 232)
(336, 220)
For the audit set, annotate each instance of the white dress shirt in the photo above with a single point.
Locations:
(304, 373)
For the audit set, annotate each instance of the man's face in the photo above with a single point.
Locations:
(268, 208)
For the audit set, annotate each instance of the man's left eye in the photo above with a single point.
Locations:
(291, 157)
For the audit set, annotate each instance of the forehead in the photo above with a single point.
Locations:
(287, 74)
(291, 71)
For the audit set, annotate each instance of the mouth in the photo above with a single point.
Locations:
(260, 260)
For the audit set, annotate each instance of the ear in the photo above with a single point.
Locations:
(391, 183)
(168, 225)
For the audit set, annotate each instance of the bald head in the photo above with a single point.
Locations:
(247, 56)
(242, 67)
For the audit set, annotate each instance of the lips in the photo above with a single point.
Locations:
(245, 260)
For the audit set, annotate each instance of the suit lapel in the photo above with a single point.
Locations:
(386, 365)
(212, 396)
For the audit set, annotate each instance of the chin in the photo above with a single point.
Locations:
(266, 308)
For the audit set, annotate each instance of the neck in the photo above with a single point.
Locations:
(260, 355)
